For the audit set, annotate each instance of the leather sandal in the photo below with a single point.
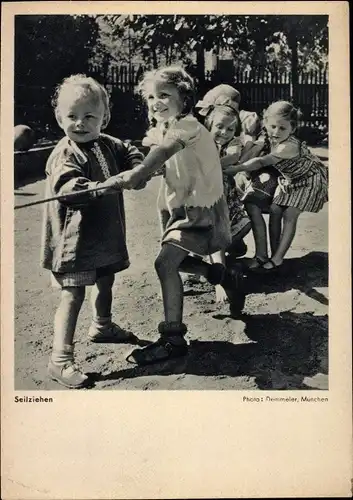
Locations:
(273, 269)
(161, 350)
(258, 263)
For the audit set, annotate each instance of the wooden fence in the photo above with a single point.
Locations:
(258, 89)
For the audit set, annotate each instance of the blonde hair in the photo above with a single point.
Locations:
(172, 75)
(82, 86)
(227, 111)
(285, 110)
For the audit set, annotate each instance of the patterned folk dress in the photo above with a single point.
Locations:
(192, 207)
(303, 182)
(85, 237)
(237, 214)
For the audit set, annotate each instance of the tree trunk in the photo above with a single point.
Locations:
(154, 57)
(200, 63)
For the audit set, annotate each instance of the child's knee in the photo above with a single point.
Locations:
(291, 214)
(73, 295)
(253, 211)
(164, 264)
(275, 209)
(160, 265)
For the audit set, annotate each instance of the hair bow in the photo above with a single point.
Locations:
(205, 106)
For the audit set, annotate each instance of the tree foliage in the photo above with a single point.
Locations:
(47, 49)
(272, 41)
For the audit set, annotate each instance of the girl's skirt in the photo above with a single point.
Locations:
(307, 184)
(198, 230)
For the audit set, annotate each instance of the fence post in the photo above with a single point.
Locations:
(293, 45)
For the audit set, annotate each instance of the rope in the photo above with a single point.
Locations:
(60, 197)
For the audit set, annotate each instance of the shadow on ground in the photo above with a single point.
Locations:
(303, 274)
(282, 351)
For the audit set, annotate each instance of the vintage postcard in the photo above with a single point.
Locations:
(175, 250)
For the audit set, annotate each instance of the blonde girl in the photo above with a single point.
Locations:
(84, 239)
(191, 204)
(219, 108)
(302, 185)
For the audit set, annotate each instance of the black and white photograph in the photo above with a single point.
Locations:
(210, 271)
(175, 250)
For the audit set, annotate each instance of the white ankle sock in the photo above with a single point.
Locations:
(101, 322)
(62, 356)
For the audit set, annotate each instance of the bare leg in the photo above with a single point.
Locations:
(61, 366)
(260, 234)
(102, 328)
(275, 226)
(290, 218)
(171, 343)
(238, 247)
(66, 317)
(101, 297)
(167, 267)
(220, 258)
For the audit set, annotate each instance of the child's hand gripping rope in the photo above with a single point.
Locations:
(110, 186)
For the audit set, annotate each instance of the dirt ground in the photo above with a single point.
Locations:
(280, 342)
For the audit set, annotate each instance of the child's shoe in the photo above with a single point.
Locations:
(110, 333)
(170, 345)
(67, 375)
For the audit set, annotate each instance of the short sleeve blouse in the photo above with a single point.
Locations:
(286, 149)
(185, 130)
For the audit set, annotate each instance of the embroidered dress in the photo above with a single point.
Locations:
(304, 182)
(86, 234)
(193, 210)
(237, 214)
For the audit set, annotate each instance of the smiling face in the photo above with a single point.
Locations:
(81, 117)
(278, 128)
(223, 127)
(163, 100)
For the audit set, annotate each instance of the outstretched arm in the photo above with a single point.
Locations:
(252, 165)
(249, 151)
(153, 161)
